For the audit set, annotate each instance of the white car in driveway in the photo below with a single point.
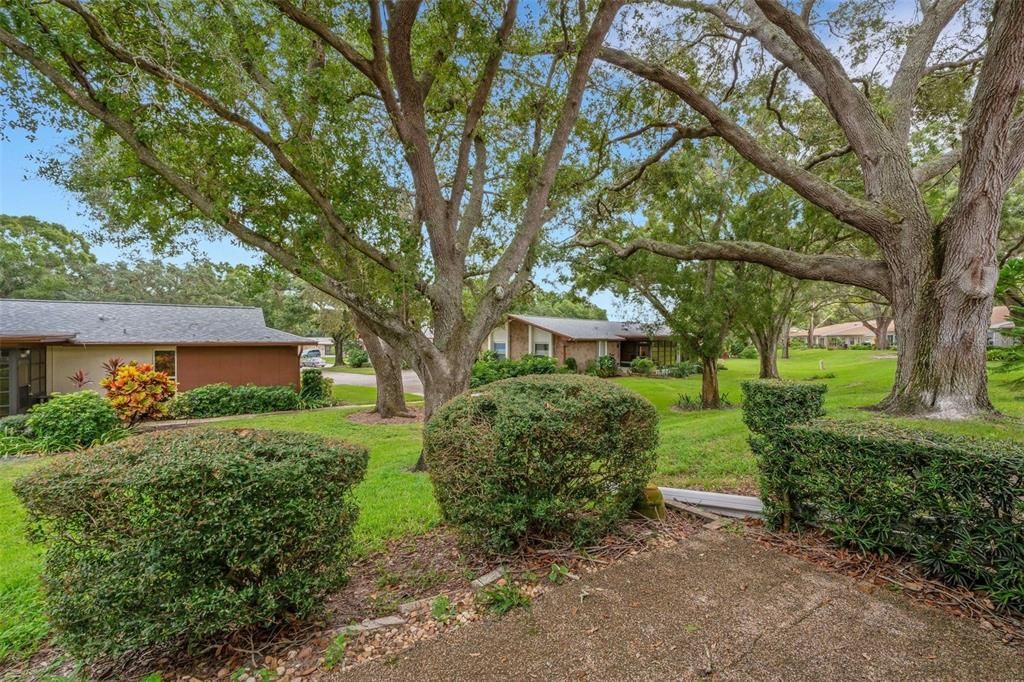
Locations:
(312, 358)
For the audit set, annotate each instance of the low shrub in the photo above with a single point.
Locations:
(605, 366)
(180, 536)
(72, 420)
(357, 357)
(540, 456)
(772, 404)
(641, 366)
(15, 425)
(954, 505)
(138, 392)
(570, 364)
(688, 403)
(220, 400)
(315, 389)
(490, 367)
(1004, 354)
(684, 369)
(13, 445)
(748, 353)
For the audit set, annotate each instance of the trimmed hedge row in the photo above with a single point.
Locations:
(221, 400)
(955, 505)
(180, 536)
(540, 456)
(489, 367)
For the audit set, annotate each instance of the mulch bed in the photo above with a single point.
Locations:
(373, 419)
(899, 574)
(400, 580)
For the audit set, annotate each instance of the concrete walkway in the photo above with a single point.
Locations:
(719, 606)
(409, 379)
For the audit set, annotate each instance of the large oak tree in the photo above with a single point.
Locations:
(382, 151)
(947, 111)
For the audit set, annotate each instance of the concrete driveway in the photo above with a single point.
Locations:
(716, 606)
(410, 381)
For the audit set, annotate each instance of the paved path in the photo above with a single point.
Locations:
(715, 605)
(409, 379)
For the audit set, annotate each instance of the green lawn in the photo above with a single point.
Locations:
(21, 619)
(352, 370)
(698, 449)
(362, 395)
(709, 449)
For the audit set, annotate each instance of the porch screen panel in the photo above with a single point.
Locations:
(5, 389)
(663, 353)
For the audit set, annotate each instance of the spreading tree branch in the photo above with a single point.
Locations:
(859, 272)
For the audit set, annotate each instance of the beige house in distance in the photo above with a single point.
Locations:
(583, 340)
(855, 333)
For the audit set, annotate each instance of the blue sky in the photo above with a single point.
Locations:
(23, 192)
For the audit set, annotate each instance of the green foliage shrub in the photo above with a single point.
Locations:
(570, 364)
(540, 456)
(357, 357)
(606, 366)
(641, 366)
(772, 404)
(219, 400)
(490, 367)
(15, 425)
(180, 536)
(314, 388)
(748, 353)
(684, 369)
(72, 420)
(954, 505)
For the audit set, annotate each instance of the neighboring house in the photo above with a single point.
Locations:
(44, 343)
(585, 340)
(324, 344)
(855, 333)
(997, 329)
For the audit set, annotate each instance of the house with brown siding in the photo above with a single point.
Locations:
(584, 340)
(44, 343)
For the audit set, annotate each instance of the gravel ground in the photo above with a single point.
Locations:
(717, 605)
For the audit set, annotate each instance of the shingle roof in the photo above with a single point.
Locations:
(999, 320)
(108, 323)
(592, 330)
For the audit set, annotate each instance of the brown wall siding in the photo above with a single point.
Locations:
(237, 365)
(518, 341)
(583, 351)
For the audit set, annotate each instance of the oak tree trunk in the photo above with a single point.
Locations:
(339, 350)
(942, 323)
(443, 379)
(882, 333)
(710, 399)
(785, 341)
(767, 343)
(387, 367)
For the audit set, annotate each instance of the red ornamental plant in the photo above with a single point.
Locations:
(138, 392)
(111, 366)
(79, 379)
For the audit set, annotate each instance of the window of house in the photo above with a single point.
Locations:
(499, 349)
(542, 349)
(166, 361)
(602, 347)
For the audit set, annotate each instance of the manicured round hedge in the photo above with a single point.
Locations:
(182, 535)
(540, 456)
(72, 420)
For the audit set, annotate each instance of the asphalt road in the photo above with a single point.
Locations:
(410, 381)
